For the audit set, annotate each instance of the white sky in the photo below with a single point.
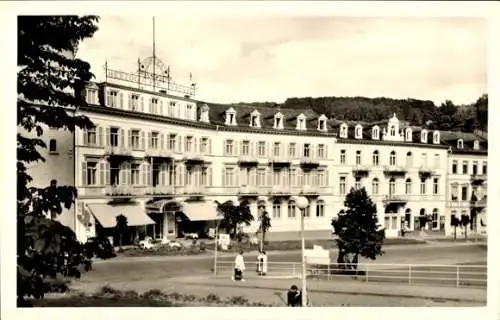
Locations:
(271, 58)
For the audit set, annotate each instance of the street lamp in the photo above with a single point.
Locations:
(302, 203)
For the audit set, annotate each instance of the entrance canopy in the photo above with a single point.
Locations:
(106, 214)
(200, 211)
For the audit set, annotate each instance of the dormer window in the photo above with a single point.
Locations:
(423, 136)
(408, 135)
(204, 114)
(278, 121)
(230, 117)
(358, 132)
(476, 145)
(343, 130)
(435, 137)
(255, 119)
(375, 132)
(322, 122)
(393, 131)
(460, 144)
(301, 122)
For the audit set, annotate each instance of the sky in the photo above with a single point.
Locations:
(272, 58)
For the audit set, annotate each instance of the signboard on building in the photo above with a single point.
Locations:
(224, 241)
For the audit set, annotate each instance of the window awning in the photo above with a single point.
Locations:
(159, 206)
(106, 214)
(200, 211)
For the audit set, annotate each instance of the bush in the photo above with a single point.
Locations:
(56, 284)
(212, 298)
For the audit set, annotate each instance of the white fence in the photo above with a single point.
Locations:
(411, 274)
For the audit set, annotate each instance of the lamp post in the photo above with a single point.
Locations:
(302, 203)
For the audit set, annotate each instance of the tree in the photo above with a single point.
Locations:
(233, 216)
(265, 225)
(357, 229)
(120, 228)
(49, 84)
(465, 221)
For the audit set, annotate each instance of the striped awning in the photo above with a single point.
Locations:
(106, 214)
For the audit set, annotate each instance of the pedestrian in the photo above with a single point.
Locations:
(264, 263)
(260, 263)
(294, 297)
(239, 267)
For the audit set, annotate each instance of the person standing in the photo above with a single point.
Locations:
(260, 263)
(239, 267)
(264, 263)
(294, 297)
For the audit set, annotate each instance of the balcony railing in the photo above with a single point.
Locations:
(194, 157)
(393, 169)
(361, 169)
(392, 198)
(124, 190)
(118, 150)
(478, 178)
(280, 190)
(160, 190)
(248, 159)
(309, 190)
(280, 160)
(425, 171)
(194, 190)
(248, 190)
(309, 162)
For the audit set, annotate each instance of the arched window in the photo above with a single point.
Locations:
(358, 157)
(409, 160)
(375, 132)
(291, 209)
(408, 186)
(392, 158)
(435, 218)
(460, 144)
(408, 134)
(320, 209)
(276, 209)
(375, 158)
(393, 131)
(392, 187)
(375, 186)
(52, 145)
(423, 183)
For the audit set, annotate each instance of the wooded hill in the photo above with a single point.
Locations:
(447, 116)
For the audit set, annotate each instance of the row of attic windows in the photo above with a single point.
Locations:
(408, 133)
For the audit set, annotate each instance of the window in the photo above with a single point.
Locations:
(454, 192)
(188, 113)
(436, 161)
(204, 177)
(474, 167)
(387, 222)
(392, 158)
(261, 149)
(375, 158)
(155, 136)
(261, 177)
(188, 176)
(321, 178)
(435, 189)
(134, 102)
(465, 167)
(460, 144)
(92, 173)
(342, 156)
(135, 173)
(424, 160)
(343, 130)
(276, 149)
(113, 137)
(435, 218)
(409, 160)
(358, 157)
(408, 134)
(229, 148)
(291, 149)
(204, 145)
(464, 193)
(321, 151)
(291, 209)
(375, 132)
(276, 209)
(342, 187)
(408, 186)
(320, 209)
(245, 148)
(278, 124)
(276, 177)
(115, 173)
(91, 96)
(322, 125)
(188, 144)
(113, 98)
(375, 186)
(422, 185)
(135, 139)
(171, 109)
(307, 148)
(229, 177)
(357, 183)
(254, 121)
(476, 145)
(393, 131)
(392, 187)
(485, 168)
(91, 137)
(423, 136)
(307, 211)
(52, 146)
(171, 142)
(154, 106)
(359, 132)
(454, 167)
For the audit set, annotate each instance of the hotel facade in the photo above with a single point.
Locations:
(164, 161)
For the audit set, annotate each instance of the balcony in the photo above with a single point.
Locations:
(279, 161)
(124, 190)
(308, 190)
(395, 170)
(248, 191)
(309, 162)
(248, 160)
(395, 199)
(425, 171)
(280, 190)
(194, 158)
(160, 190)
(360, 170)
(193, 190)
(118, 151)
(478, 178)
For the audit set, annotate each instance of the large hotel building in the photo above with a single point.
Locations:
(164, 160)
